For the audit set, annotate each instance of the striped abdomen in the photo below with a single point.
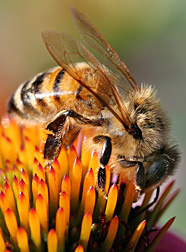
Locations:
(34, 99)
(41, 98)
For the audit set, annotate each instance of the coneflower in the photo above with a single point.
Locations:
(59, 209)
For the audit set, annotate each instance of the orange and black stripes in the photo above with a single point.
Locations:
(34, 97)
(13, 108)
(26, 93)
(37, 85)
(49, 92)
(56, 85)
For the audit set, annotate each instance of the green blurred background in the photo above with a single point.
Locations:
(149, 35)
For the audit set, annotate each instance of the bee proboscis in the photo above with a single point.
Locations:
(128, 127)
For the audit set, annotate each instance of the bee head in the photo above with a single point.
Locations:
(149, 123)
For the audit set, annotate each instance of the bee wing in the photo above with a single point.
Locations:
(66, 51)
(96, 40)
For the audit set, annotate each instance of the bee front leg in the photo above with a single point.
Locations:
(104, 159)
(140, 176)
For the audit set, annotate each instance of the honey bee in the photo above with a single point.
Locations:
(128, 126)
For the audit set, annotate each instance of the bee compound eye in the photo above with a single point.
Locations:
(136, 105)
(157, 171)
(135, 131)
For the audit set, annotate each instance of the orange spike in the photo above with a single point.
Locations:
(42, 137)
(35, 183)
(42, 211)
(129, 199)
(111, 235)
(53, 189)
(90, 200)
(23, 188)
(15, 170)
(35, 229)
(77, 142)
(111, 202)
(38, 155)
(10, 196)
(94, 163)
(43, 190)
(72, 157)
(57, 169)
(85, 230)
(4, 204)
(11, 128)
(60, 228)
(2, 175)
(23, 155)
(152, 246)
(64, 203)
(9, 173)
(24, 176)
(23, 210)
(31, 132)
(30, 149)
(79, 249)
(8, 149)
(22, 240)
(40, 172)
(158, 206)
(52, 241)
(66, 185)
(63, 161)
(136, 235)
(107, 184)
(85, 158)
(11, 223)
(15, 186)
(76, 182)
(34, 166)
(1, 188)
(2, 243)
(88, 182)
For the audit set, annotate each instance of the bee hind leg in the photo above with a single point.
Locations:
(59, 125)
(104, 159)
(54, 140)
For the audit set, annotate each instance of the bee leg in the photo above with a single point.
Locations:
(151, 203)
(54, 140)
(104, 159)
(83, 120)
(52, 147)
(140, 176)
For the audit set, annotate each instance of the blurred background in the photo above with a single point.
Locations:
(149, 35)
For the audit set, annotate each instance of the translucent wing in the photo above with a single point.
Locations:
(66, 51)
(96, 40)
